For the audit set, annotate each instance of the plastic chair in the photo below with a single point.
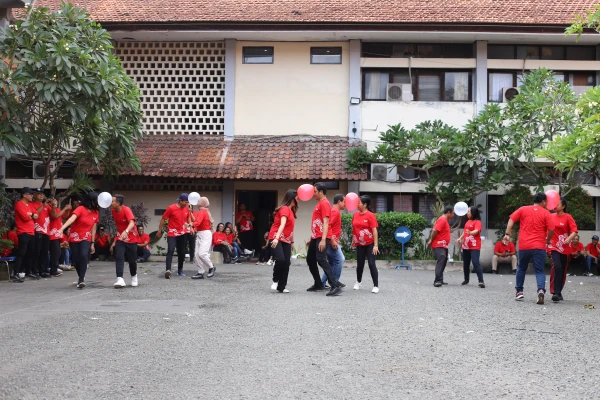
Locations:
(5, 261)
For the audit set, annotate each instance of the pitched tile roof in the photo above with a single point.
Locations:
(537, 12)
(245, 157)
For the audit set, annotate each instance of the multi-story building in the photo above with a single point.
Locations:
(245, 99)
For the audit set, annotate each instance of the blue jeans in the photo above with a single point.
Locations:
(538, 257)
(236, 249)
(65, 256)
(589, 261)
(336, 260)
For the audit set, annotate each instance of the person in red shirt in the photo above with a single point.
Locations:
(220, 243)
(320, 239)
(335, 255)
(244, 219)
(190, 236)
(281, 237)
(565, 230)
(439, 241)
(54, 235)
(203, 227)
(504, 252)
(126, 241)
(25, 215)
(143, 250)
(42, 239)
(82, 235)
(471, 245)
(591, 255)
(103, 244)
(577, 255)
(12, 236)
(365, 239)
(178, 217)
(537, 228)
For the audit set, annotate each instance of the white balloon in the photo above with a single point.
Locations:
(461, 208)
(104, 199)
(193, 198)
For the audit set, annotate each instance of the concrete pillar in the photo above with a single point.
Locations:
(481, 97)
(354, 187)
(228, 201)
(230, 62)
(354, 127)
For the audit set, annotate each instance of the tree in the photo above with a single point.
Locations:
(581, 207)
(515, 197)
(65, 95)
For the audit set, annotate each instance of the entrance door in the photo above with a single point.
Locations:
(261, 203)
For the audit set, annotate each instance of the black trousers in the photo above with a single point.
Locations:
(282, 253)
(560, 263)
(247, 239)
(24, 253)
(362, 253)
(40, 253)
(143, 253)
(54, 255)
(101, 251)
(441, 259)
(176, 242)
(265, 254)
(80, 252)
(227, 253)
(314, 257)
(190, 245)
(126, 251)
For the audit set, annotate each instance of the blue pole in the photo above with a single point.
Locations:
(402, 253)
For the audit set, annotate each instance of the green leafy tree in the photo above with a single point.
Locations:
(64, 94)
(581, 207)
(515, 197)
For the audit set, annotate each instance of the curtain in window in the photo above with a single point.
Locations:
(429, 88)
(497, 82)
(456, 86)
(376, 85)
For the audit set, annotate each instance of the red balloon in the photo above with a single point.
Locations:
(552, 199)
(306, 192)
(351, 201)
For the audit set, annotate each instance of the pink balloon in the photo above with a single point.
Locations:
(306, 192)
(351, 201)
(552, 198)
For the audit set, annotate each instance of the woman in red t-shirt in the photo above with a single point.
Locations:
(565, 230)
(281, 237)
(365, 238)
(203, 227)
(83, 223)
(220, 243)
(471, 245)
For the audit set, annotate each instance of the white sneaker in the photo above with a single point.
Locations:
(259, 263)
(357, 285)
(270, 262)
(120, 283)
(21, 275)
(134, 281)
(274, 286)
(375, 290)
(60, 271)
(246, 251)
(285, 291)
(590, 274)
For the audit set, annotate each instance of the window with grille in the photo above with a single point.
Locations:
(182, 85)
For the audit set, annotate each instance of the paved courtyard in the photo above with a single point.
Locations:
(230, 337)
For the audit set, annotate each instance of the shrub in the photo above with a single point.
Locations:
(581, 207)
(388, 223)
(514, 198)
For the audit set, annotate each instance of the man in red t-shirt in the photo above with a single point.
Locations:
(439, 241)
(55, 235)
(591, 255)
(103, 244)
(321, 235)
(41, 245)
(25, 215)
(504, 252)
(576, 254)
(244, 219)
(537, 229)
(179, 219)
(335, 256)
(126, 240)
(143, 250)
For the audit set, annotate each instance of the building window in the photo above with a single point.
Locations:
(258, 55)
(325, 55)
(535, 52)
(423, 50)
(375, 85)
(497, 81)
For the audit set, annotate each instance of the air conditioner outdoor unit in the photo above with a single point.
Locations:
(399, 92)
(39, 169)
(509, 93)
(384, 172)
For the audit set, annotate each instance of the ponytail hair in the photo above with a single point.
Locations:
(289, 200)
(366, 200)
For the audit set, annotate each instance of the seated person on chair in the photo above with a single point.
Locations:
(143, 251)
(591, 255)
(220, 243)
(504, 252)
(577, 256)
(102, 244)
(12, 236)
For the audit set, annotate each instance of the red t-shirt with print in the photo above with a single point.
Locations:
(570, 248)
(177, 217)
(145, 238)
(442, 239)
(503, 248)
(218, 238)
(564, 225)
(362, 228)
(536, 221)
(81, 229)
(122, 219)
(55, 224)
(202, 222)
(472, 242)
(103, 241)
(245, 223)
(24, 221)
(335, 224)
(287, 235)
(43, 222)
(322, 210)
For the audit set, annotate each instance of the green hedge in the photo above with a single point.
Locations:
(388, 223)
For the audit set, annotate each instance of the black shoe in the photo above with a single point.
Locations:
(514, 272)
(465, 283)
(444, 283)
(326, 286)
(211, 272)
(34, 277)
(198, 276)
(168, 274)
(45, 275)
(555, 298)
(334, 291)
(437, 284)
(494, 272)
(56, 274)
(315, 288)
(340, 284)
(482, 285)
(560, 297)
(16, 279)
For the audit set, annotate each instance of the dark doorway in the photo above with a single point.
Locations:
(261, 204)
